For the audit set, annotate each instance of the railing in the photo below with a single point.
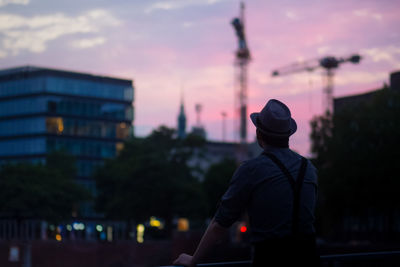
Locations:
(329, 259)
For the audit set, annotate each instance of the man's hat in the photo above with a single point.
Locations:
(274, 120)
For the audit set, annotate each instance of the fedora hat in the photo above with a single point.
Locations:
(274, 119)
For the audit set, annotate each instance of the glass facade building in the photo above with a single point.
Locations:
(42, 110)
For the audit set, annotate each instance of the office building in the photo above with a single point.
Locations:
(340, 103)
(43, 110)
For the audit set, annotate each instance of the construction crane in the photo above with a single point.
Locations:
(242, 59)
(329, 64)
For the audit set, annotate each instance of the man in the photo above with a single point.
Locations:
(278, 190)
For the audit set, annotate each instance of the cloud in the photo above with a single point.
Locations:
(15, 2)
(367, 13)
(32, 34)
(88, 43)
(389, 54)
(359, 77)
(291, 15)
(177, 4)
(187, 24)
(323, 50)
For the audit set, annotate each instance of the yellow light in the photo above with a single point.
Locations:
(140, 233)
(55, 125)
(154, 222)
(140, 228)
(60, 125)
(119, 147)
(183, 224)
(58, 237)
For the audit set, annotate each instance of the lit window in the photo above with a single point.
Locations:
(55, 125)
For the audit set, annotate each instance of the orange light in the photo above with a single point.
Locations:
(58, 237)
(243, 229)
(183, 224)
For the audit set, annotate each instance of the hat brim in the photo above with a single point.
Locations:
(292, 127)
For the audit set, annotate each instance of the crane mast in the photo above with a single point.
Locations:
(242, 58)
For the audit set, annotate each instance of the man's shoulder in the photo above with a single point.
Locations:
(255, 163)
(297, 155)
(248, 169)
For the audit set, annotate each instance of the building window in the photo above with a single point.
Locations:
(52, 106)
(55, 125)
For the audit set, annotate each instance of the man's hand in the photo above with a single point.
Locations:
(185, 260)
(213, 234)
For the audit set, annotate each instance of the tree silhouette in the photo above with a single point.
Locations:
(151, 177)
(216, 182)
(356, 152)
(46, 192)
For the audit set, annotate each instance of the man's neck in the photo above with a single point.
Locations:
(270, 147)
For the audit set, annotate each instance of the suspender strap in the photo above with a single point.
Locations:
(296, 187)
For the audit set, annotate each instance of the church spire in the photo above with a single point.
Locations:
(182, 120)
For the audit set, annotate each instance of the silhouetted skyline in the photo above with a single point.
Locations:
(163, 44)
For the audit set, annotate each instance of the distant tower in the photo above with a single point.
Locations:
(198, 107)
(198, 129)
(182, 122)
(223, 114)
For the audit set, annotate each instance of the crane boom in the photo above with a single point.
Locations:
(310, 65)
(328, 63)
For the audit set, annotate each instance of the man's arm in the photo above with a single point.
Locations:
(213, 234)
(232, 205)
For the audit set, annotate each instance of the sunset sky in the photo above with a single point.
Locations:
(168, 45)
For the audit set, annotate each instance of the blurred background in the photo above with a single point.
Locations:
(122, 122)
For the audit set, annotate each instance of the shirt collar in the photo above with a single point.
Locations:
(274, 148)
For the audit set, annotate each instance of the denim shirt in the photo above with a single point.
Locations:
(260, 188)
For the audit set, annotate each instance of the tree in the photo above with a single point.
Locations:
(151, 177)
(321, 133)
(356, 153)
(40, 191)
(216, 182)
